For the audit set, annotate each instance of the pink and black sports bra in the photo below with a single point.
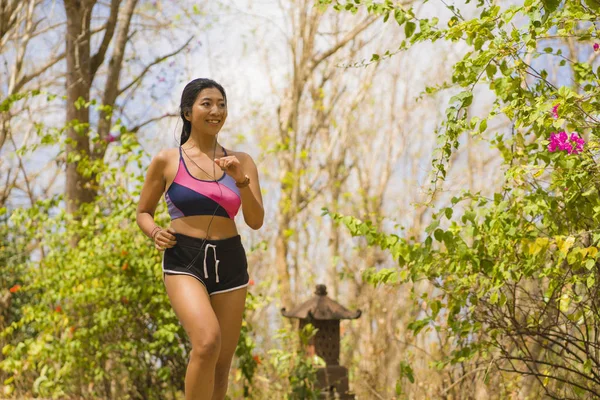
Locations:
(188, 195)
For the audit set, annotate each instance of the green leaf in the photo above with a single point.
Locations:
(409, 29)
(593, 4)
(589, 264)
(491, 70)
(587, 366)
(465, 98)
(483, 125)
(551, 5)
(417, 326)
(406, 371)
(400, 16)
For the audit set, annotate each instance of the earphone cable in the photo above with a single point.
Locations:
(216, 209)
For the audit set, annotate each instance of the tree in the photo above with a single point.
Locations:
(21, 28)
(516, 271)
(303, 113)
(82, 68)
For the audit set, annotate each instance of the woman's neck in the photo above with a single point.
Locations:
(206, 143)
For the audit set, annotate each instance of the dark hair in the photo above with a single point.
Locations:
(188, 97)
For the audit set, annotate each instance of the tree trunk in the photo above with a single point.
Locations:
(78, 81)
(281, 251)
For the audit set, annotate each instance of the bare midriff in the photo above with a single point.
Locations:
(196, 226)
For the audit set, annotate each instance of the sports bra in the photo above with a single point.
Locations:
(189, 196)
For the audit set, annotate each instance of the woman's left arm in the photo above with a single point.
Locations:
(238, 166)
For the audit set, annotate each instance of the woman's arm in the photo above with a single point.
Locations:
(252, 204)
(154, 187)
(239, 165)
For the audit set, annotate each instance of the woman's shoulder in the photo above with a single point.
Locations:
(166, 155)
(242, 156)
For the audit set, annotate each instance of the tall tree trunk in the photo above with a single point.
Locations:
(78, 81)
(281, 252)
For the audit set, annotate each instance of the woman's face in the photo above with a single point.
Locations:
(209, 111)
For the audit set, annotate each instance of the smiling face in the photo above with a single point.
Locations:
(209, 111)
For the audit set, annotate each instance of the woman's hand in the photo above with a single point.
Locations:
(232, 167)
(164, 239)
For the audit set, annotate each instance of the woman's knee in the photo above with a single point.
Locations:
(206, 346)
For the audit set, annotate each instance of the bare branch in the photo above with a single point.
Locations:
(156, 61)
(318, 58)
(25, 79)
(98, 58)
(140, 126)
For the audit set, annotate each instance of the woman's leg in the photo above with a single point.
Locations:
(229, 308)
(191, 304)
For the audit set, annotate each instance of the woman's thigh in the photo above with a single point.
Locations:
(193, 308)
(229, 310)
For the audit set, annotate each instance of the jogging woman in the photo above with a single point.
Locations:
(204, 264)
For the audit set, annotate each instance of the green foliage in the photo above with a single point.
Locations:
(298, 368)
(91, 319)
(246, 361)
(98, 323)
(516, 274)
(9, 101)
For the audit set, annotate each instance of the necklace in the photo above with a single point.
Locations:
(199, 167)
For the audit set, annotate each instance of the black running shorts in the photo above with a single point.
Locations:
(220, 265)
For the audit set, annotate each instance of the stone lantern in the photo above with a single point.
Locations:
(325, 315)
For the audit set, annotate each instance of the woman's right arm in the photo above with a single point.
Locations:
(152, 191)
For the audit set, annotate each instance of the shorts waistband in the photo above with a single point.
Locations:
(185, 240)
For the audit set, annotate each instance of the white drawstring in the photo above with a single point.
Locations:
(216, 261)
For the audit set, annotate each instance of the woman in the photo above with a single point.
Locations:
(204, 264)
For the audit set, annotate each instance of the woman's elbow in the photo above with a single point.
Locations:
(256, 225)
(255, 221)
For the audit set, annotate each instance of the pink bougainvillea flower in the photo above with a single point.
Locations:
(555, 142)
(562, 136)
(577, 142)
(561, 141)
(555, 111)
(596, 46)
(110, 138)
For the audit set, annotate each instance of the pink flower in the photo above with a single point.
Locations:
(596, 46)
(110, 138)
(561, 141)
(577, 142)
(555, 111)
